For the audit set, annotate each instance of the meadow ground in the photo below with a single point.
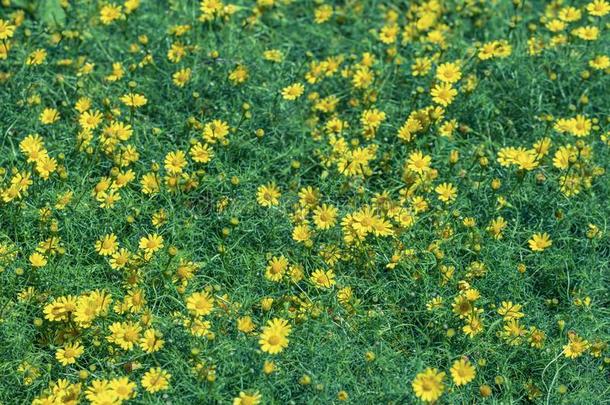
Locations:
(298, 201)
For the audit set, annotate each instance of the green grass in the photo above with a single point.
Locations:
(329, 341)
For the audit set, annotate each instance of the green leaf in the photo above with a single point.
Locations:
(51, 13)
(24, 4)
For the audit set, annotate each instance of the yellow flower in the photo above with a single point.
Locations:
(536, 337)
(448, 72)
(418, 162)
(200, 303)
(181, 77)
(274, 336)
(510, 311)
(443, 94)
(268, 195)
(570, 14)
(215, 131)
(60, 308)
(38, 260)
(600, 62)
(323, 279)
(273, 55)
(598, 8)
(155, 379)
(447, 192)
(134, 100)
(245, 324)
(293, 91)
(6, 30)
(107, 245)
(540, 241)
(175, 162)
(323, 13)
(150, 183)
(49, 116)
(90, 119)
(110, 13)
(69, 353)
(372, 119)
(152, 341)
(201, 153)
(151, 243)
(239, 75)
(37, 57)
(462, 372)
(301, 233)
(588, 33)
(276, 268)
(122, 388)
(248, 399)
(124, 334)
(576, 346)
(428, 385)
(325, 216)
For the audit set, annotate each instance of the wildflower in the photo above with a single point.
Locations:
(372, 119)
(181, 77)
(276, 268)
(428, 385)
(200, 303)
(37, 57)
(134, 100)
(175, 162)
(110, 13)
(49, 116)
(597, 8)
(122, 388)
(418, 162)
(325, 216)
(151, 243)
(536, 337)
(308, 197)
(248, 399)
(107, 245)
(293, 91)
(150, 183)
(443, 94)
(446, 192)
(69, 353)
(7, 30)
(90, 119)
(201, 153)
(462, 372)
(215, 131)
(539, 242)
(323, 279)
(245, 324)
(274, 336)
(239, 75)
(588, 33)
(268, 195)
(576, 346)
(273, 55)
(155, 379)
(600, 62)
(38, 260)
(448, 72)
(323, 13)
(301, 233)
(510, 311)
(513, 332)
(151, 341)
(124, 334)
